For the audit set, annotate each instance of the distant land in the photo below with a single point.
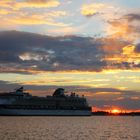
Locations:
(104, 113)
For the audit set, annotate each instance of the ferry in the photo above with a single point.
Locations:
(21, 103)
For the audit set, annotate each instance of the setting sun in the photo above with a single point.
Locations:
(115, 111)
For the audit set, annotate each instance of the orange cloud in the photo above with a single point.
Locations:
(118, 30)
(37, 1)
(20, 17)
(135, 98)
(112, 93)
(35, 19)
(112, 45)
(128, 54)
(47, 4)
(123, 28)
(29, 4)
(128, 50)
(91, 9)
(4, 12)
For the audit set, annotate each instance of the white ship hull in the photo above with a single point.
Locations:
(43, 112)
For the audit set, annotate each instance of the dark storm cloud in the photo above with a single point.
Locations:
(132, 17)
(7, 86)
(27, 50)
(21, 52)
(137, 49)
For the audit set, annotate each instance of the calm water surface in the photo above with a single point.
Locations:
(70, 128)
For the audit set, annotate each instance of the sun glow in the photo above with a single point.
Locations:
(115, 111)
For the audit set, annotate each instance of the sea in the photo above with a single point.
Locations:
(70, 128)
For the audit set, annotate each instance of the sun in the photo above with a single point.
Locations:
(115, 111)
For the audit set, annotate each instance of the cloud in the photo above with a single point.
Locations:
(137, 49)
(20, 18)
(4, 12)
(12, 13)
(28, 52)
(132, 17)
(104, 11)
(17, 14)
(91, 9)
(127, 58)
(127, 27)
(35, 20)
(121, 46)
(38, 1)
(29, 4)
(23, 50)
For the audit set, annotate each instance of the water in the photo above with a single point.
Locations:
(70, 128)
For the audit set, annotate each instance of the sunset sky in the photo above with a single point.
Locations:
(91, 47)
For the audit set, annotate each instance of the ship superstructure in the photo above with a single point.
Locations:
(23, 103)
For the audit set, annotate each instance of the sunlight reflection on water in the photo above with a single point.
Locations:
(70, 128)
